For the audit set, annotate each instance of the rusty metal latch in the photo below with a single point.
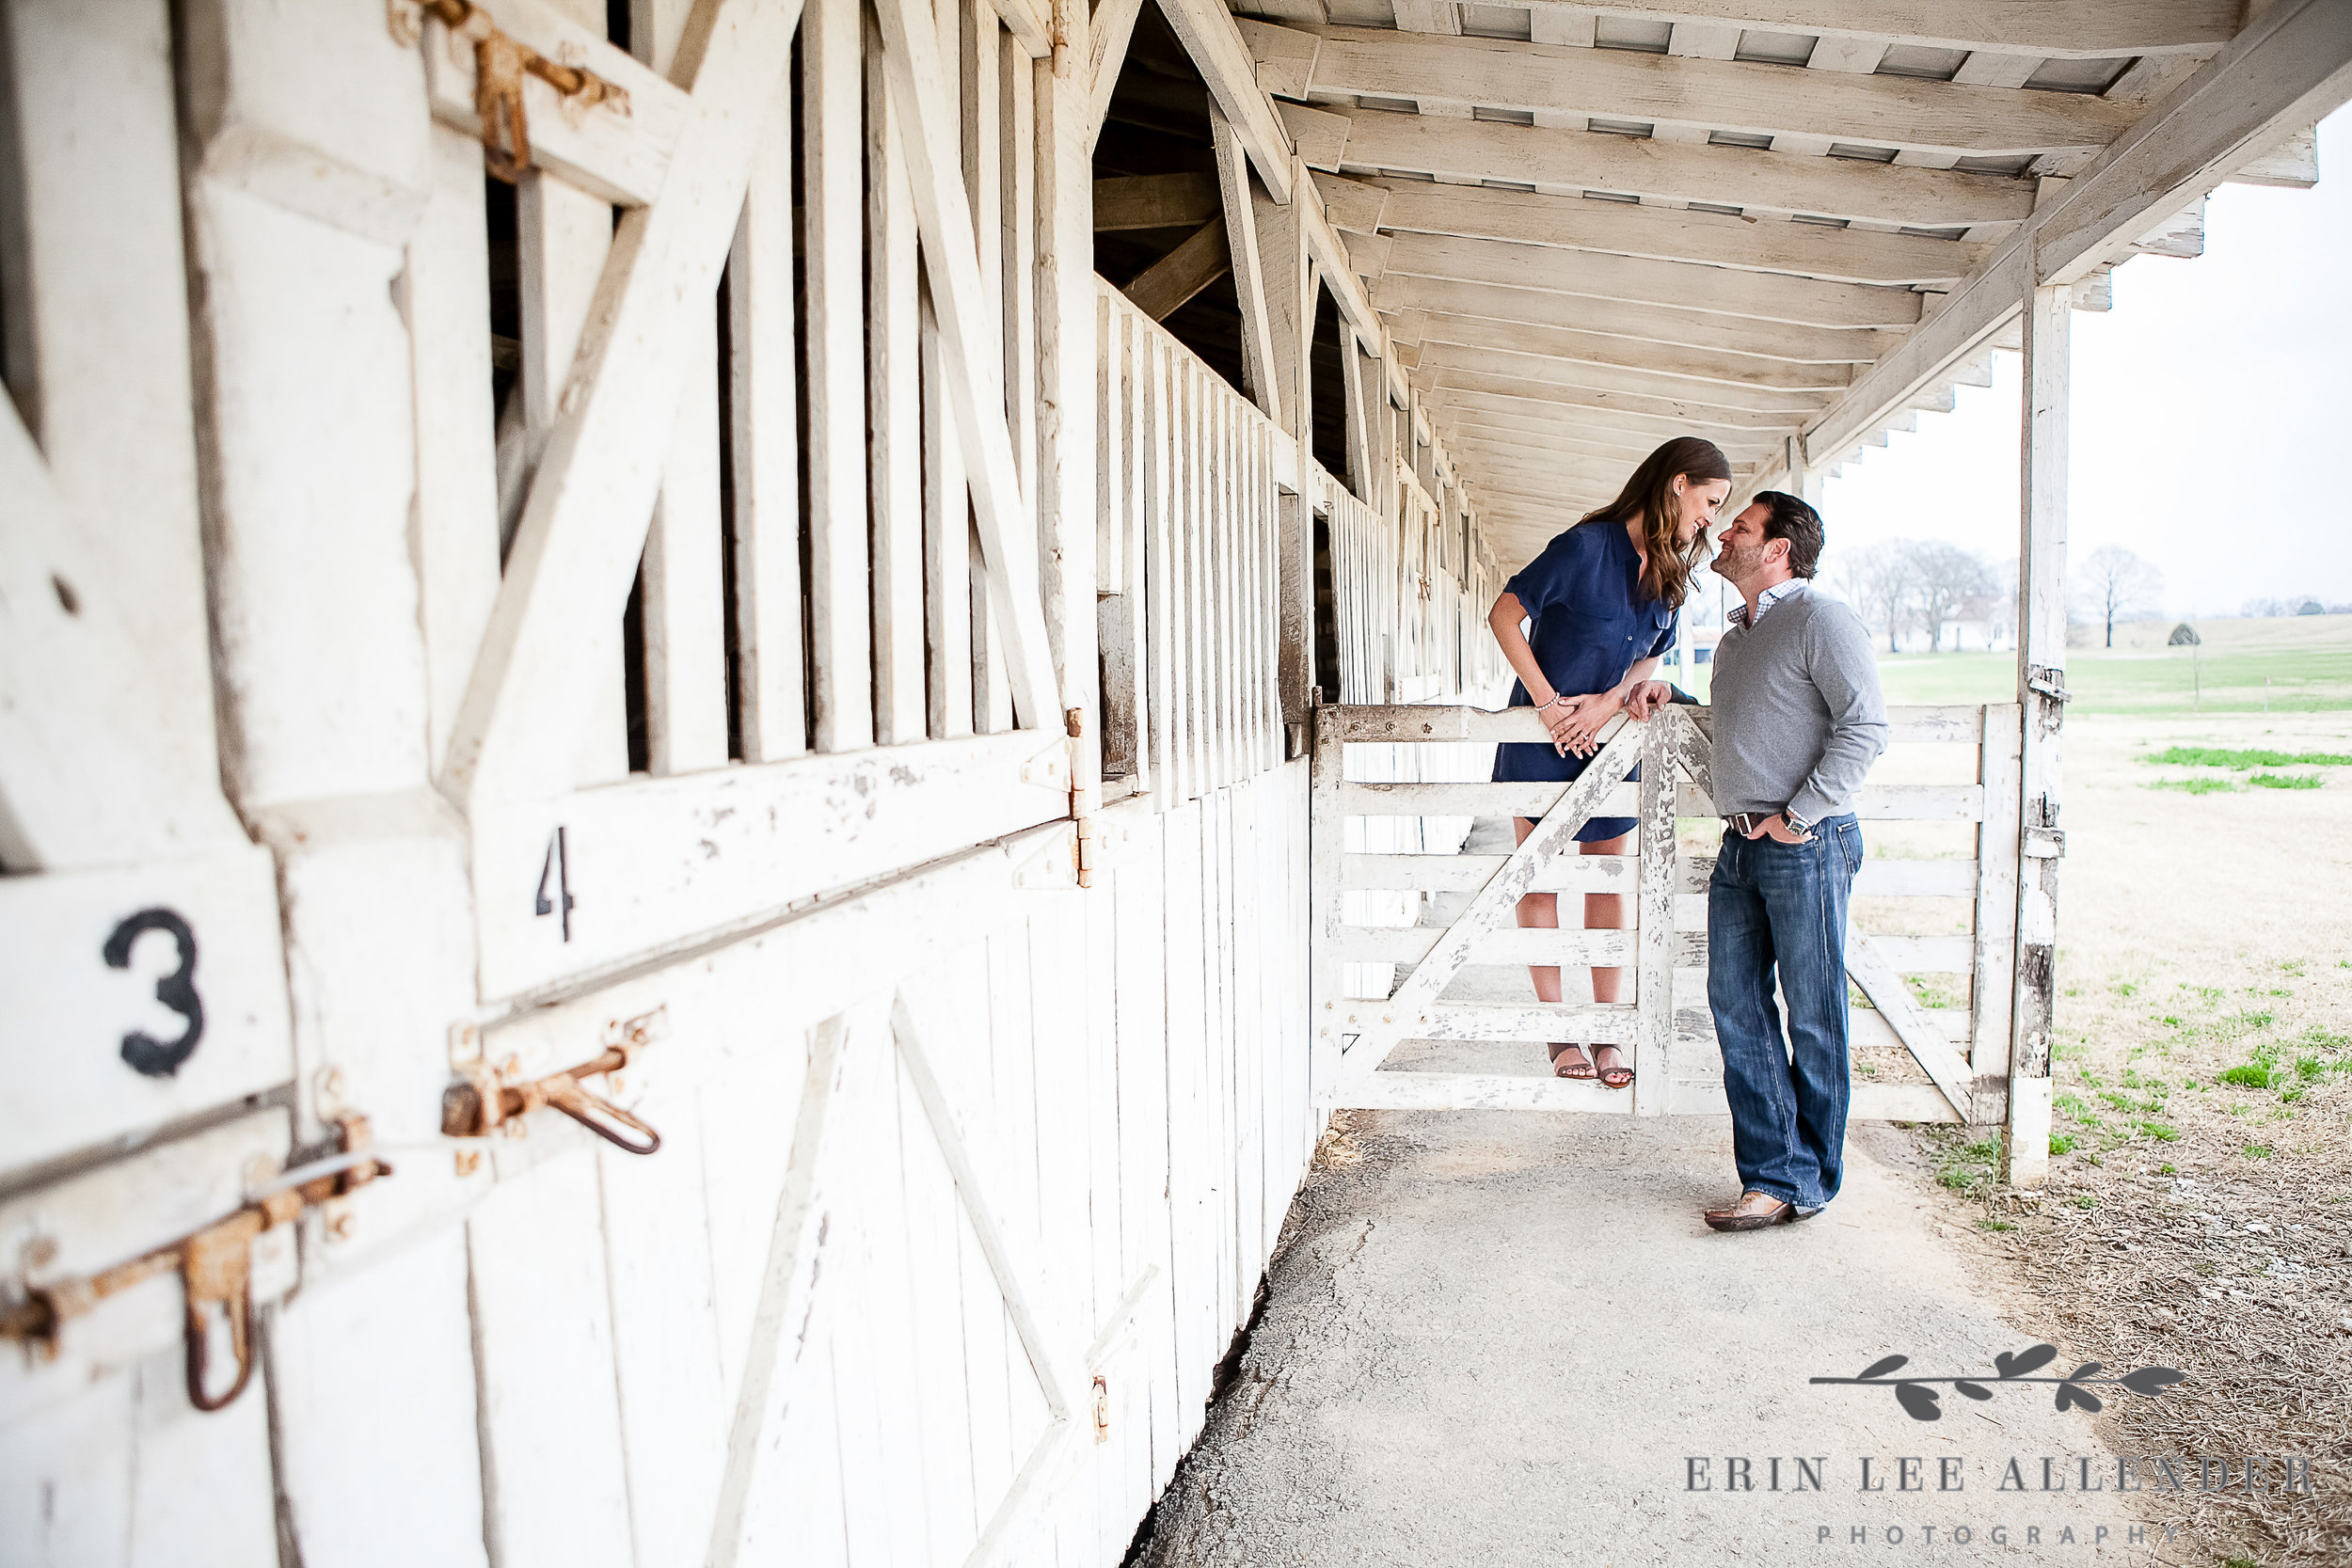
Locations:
(492, 1098)
(215, 1267)
(500, 64)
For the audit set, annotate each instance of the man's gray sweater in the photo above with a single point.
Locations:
(1798, 714)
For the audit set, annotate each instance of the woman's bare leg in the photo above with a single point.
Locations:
(1543, 910)
(1606, 911)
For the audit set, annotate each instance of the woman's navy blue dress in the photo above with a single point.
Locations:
(1591, 623)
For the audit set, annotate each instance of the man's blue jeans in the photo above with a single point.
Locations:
(1771, 905)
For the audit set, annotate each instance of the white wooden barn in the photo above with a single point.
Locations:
(685, 880)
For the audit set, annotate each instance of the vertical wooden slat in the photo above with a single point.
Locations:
(448, 287)
(1993, 971)
(686, 717)
(1199, 487)
(1064, 398)
(983, 94)
(1162, 598)
(947, 501)
(833, 140)
(1654, 976)
(894, 411)
(946, 546)
(992, 681)
(1016, 171)
(766, 454)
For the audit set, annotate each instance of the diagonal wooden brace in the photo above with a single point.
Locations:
(584, 526)
(924, 96)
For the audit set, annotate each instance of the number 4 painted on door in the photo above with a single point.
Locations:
(557, 870)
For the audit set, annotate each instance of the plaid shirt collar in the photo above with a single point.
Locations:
(1738, 614)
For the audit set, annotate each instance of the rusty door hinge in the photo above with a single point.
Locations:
(215, 1267)
(1085, 801)
(496, 1098)
(1101, 1408)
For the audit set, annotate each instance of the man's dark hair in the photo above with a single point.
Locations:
(1793, 520)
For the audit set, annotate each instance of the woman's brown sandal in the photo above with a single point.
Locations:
(1617, 1077)
(1580, 1070)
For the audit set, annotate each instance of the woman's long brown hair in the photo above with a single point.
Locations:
(1649, 496)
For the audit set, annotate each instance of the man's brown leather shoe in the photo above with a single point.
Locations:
(1754, 1212)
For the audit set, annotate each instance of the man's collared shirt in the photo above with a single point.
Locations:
(1738, 614)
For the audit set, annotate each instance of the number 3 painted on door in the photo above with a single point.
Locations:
(177, 990)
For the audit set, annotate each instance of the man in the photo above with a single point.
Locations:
(1798, 721)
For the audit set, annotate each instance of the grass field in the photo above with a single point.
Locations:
(2306, 660)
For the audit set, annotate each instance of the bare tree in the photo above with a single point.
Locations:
(1877, 581)
(2001, 627)
(1943, 576)
(2117, 584)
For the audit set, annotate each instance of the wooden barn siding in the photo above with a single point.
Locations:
(1137, 1054)
(544, 1350)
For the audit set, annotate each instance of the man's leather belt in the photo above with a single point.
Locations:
(1746, 823)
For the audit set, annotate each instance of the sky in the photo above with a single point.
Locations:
(2211, 414)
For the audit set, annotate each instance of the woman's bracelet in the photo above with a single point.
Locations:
(1557, 698)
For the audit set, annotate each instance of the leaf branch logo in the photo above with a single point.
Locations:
(2074, 1390)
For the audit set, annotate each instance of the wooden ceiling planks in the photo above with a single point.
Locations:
(1741, 218)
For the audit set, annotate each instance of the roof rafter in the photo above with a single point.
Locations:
(1718, 291)
(1859, 256)
(1530, 362)
(1724, 176)
(1702, 367)
(1758, 99)
(2101, 29)
(1738, 339)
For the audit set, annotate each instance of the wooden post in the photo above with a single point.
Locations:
(1289, 313)
(1654, 955)
(1327, 844)
(1064, 389)
(2041, 688)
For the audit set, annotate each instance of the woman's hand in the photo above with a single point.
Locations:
(1575, 723)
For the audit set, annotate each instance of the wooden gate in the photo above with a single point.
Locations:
(1419, 962)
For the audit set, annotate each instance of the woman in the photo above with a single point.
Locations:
(1600, 605)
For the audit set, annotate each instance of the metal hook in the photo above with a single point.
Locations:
(564, 1093)
(218, 1268)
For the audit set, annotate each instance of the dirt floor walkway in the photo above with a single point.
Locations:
(1506, 1338)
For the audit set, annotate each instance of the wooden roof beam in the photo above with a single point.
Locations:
(1665, 360)
(1730, 335)
(1746, 178)
(1533, 451)
(1660, 234)
(1730, 95)
(2078, 31)
(1554, 425)
(1528, 361)
(1714, 291)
